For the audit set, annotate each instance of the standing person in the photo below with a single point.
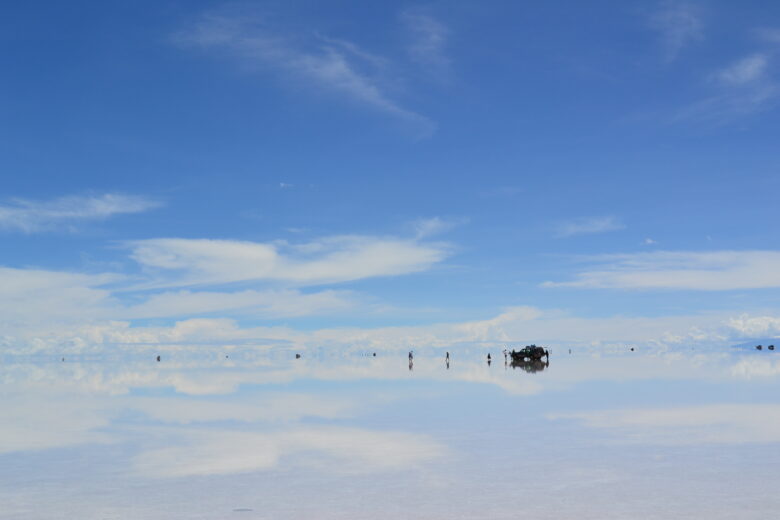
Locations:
(489, 359)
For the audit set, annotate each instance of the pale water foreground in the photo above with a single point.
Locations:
(646, 434)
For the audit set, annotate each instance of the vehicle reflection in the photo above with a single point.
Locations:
(530, 365)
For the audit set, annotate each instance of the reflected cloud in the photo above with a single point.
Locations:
(339, 450)
(43, 421)
(65, 404)
(206, 372)
(749, 368)
(273, 407)
(127, 430)
(688, 425)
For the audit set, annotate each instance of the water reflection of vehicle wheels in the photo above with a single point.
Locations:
(530, 365)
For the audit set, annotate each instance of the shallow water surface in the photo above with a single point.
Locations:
(645, 434)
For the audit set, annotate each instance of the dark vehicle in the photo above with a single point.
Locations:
(529, 352)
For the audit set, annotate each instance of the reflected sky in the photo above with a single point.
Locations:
(238, 433)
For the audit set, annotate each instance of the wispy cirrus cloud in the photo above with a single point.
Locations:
(428, 227)
(768, 34)
(427, 40)
(31, 216)
(742, 88)
(749, 69)
(685, 270)
(588, 226)
(326, 63)
(679, 24)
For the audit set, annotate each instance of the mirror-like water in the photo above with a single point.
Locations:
(646, 434)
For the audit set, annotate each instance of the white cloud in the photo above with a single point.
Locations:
(32, 216)
(39, 304)
(433, 226)
(334, 65)
(747, 70)
(31, 297)
(679, 24)
(588, 225)
(36, 301)
(743, 88)
(428, 40)
(283, 303)
(328, 260)
(733, 104)
(708, 271)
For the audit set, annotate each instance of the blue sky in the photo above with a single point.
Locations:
(391, 172)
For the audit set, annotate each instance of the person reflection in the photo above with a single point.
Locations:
(411, 364)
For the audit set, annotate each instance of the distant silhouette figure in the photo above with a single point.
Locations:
(226, 356)
(771, 347)
(490, 360)
(632, 349)
(506, 356)
(297, 356)
(411, 356)
(447, 357)
(158, 359)
(374, 354)
(759, 347)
